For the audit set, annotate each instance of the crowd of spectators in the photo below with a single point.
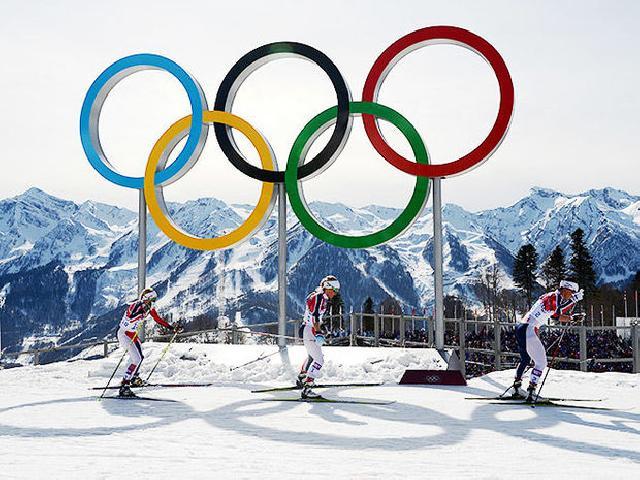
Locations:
(601, 344)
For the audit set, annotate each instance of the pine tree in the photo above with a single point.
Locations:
(524, 270)
(367, 317)
(335, 306)
(368, 305)
(581, 263)
(554, 269)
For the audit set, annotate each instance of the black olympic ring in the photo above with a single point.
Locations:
(249, 63)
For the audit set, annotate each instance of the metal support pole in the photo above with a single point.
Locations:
(105, 350)
(401, 326)
(282, 263)
(583, 348)
(430, 333)
(438, 313)
(496, 343)
(352, 326)
(142, 250)
(463, 354)
(635, 347)
(376, 329)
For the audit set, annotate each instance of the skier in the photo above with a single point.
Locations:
(557, 305)
(311, 333)
(128, 336)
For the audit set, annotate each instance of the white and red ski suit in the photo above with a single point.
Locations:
(128, 334)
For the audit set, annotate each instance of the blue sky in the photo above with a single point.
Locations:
(574, 66)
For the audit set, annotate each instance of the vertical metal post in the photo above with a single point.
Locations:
(635, 347)
(282, 263)
(376, 329)
(430, 333)
(352, 326)
(105, 350)
(438, 313)
(496, 343)
(625, 305)
(142, 250)
(401, 326)
(463, 354)
(583, 348)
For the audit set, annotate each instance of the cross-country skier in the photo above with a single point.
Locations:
(557, 305)
(128, 336)
(311, 333)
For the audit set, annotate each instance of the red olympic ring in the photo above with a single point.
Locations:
(418, 39)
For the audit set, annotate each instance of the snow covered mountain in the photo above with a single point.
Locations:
(67, 269)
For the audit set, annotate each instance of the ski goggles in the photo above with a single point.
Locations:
(194, 127)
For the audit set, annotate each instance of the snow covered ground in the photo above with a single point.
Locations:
(52, 426)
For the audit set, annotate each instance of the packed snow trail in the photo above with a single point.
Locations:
(52, 426)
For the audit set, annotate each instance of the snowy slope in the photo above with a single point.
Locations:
(51, 426)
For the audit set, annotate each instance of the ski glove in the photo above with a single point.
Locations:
(576, 297)
(320, 339)
(177, 327)
(578, 317)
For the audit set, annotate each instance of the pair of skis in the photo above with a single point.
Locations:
(151, 399)
(542, 402)
(324, 399)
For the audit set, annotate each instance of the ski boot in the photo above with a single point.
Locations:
(300, 380)
(138, 382)
(307, 392)
(125, 389)
(530, 393)
(517, 394)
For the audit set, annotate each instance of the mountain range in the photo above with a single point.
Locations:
(67, 269)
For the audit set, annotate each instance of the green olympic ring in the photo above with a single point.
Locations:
(303, 142)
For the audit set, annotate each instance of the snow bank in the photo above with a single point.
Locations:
(214, 363)
(51, 425)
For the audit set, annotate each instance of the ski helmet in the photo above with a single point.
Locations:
(330, 283)
(148, 295)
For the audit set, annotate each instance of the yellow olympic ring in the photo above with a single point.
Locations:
(155, 197)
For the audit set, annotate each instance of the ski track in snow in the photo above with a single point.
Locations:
(52, 426)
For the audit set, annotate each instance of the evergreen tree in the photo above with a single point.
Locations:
(581, 263)
(554, 269)
(367, 317)
(335, 306)
(524, 270)
(368, 305)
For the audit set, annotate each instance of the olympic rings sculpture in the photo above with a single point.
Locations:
(159, 174)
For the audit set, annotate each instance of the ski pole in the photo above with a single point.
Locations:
(164, 351)
(135, 336)
(261, 357)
